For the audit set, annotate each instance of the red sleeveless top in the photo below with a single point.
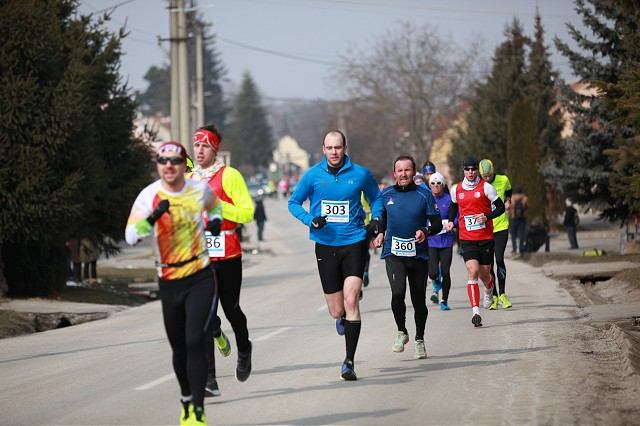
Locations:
(473, 202)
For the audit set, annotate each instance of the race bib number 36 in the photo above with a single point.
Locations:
(472, 224)
(405, 247)
(336, 211)
(215, 245)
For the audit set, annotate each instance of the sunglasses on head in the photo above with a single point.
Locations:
(470, 169)
(173, 160)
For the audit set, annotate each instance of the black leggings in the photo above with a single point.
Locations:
(441, 257)
(229, 275)
(398, 270)
(500, 244)
(188, 306)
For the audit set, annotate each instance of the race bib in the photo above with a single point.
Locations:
(471, 222)
(336, 211)
(215, 245)
(405, 247)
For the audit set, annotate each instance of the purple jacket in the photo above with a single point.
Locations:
(445, 239)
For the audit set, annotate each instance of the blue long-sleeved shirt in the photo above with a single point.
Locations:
(407, 210)
(329, 195)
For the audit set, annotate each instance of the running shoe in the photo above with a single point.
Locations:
(185, 414)
(436, 285)
(243, 368)
(434, 297)
(198, 418)
(421, 351)
(476, 320)
(504, 301)
(488, 298)
(340, 326)
(347, 371)
(223, 345)
(365, 279)
(494, 305)
(444, 306)
(211, 388)
(401, 340)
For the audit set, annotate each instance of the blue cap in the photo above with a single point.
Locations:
(429, 168)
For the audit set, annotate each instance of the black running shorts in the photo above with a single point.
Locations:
(482, 251)
(335, 263)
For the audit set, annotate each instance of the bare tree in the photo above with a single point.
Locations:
(412, 77)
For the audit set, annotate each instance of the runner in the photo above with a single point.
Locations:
(336, 222)
(171, 210)
(475, 202)
(441, 245)
(407, 209)
(502, 184)
(428, 168)
(225, 252)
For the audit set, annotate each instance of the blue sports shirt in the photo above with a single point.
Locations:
(336, 196)
(406, 210)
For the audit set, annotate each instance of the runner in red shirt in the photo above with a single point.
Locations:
(476, 202)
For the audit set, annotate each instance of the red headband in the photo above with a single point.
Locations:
(172, 146)
(203, 135)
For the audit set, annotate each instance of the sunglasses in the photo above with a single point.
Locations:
(435, 183)
(470, 169)
(173, 160)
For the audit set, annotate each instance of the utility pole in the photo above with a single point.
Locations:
(175, 78)
(199, 76)
(183, 72)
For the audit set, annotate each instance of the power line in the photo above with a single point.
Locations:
(276, 53)
(115, 6)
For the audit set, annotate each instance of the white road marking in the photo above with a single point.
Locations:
(168, 377)
(156, 382)
(273, 333)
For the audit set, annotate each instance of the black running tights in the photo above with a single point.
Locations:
(415, 270)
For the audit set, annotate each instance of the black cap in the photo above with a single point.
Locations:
(470, 162)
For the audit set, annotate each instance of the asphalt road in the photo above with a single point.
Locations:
(522, 367)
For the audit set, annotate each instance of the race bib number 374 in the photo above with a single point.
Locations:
(471, 223)
(335, 211)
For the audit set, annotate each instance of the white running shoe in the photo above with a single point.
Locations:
(401, 340)
(487, 301)
(421, 351)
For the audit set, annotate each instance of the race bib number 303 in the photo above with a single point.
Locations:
(215, 245)
(336, 211)
(405, 247)
(472, 223)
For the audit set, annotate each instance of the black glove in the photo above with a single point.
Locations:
(373, 228)
(214, 226)
(163, 207)
(319, 222)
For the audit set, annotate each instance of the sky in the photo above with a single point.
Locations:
(289, 46)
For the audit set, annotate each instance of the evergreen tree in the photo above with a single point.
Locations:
(250, 137)
(524, 152)
(486, 133)
(622, 100)
(541, 88)
(66, 126)
(584, 170)
(157, 97)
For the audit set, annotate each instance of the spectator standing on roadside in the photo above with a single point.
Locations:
(518, 223)
(89, 258)
(260, 217)
(571, 221)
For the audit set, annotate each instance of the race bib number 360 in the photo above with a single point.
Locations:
(215, 245)
(336, 211)
(471, 223)
(405, 247)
